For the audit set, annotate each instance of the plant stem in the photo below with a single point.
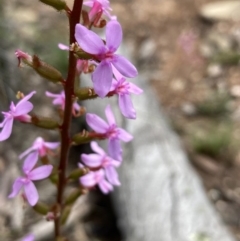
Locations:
(74, 18)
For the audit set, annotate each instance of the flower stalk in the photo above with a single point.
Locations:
(74, 18)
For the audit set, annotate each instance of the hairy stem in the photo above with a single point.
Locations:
(74, 17)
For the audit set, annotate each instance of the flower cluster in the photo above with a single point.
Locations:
(106, 164)
(110, 73)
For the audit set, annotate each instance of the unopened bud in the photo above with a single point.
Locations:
(41, 208)
(85, 93)
(73, 197)
(43, 69)
(82, 138)
(75, 174)
(57, 4)
(44, 122)
(65, 214)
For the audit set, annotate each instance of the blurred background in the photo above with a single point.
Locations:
(188, 49)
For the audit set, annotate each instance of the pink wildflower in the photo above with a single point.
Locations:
(123, 89)
(59, 100)
(91, 43)
(31, 174)
(41, 147)
(98, 6)
(94, 178)
(110, 131)
(18, 112)
(101, 159)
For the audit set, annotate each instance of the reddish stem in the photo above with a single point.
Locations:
(74, 18)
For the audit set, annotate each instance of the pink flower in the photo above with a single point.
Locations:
(110, 131)
(123, 89)
(101, 159)
(59, 100)
(98, 6)
(41, 147)
(29, 237)
(31, 174)
(18, 112)
(96, 178)
(91, 43)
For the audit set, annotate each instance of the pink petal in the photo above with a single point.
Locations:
(95, 147)
(40, 172)
(30, 162)
(126, 106)
(29, 237)
(112, 175)
(102, 78)
(89, 41)
(125, 67)
(23, 108)
(96, 8)
(31, 193)
(124, 136)
(113, 35)
(110, 116)
(88, 180)
(17, 185)
(92, 160)
(7, 129)
(134, 89)
(52, 145)
(116, 73)
(114, 149)
(51, 95)
(27, 97)
(105, 186)
(96, 123)
(63, 46)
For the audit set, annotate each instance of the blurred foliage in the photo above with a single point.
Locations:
(215, 106)
(215, 141)
(226, 58)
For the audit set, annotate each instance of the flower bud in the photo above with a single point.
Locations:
(65, 214)
(41, 208)
(82, 138)
(57, 4)
(75, 174)
(73, 197)
(43, 69)
(85, 93)
(44, 122)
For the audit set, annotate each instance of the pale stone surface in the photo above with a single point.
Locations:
(222, 10)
